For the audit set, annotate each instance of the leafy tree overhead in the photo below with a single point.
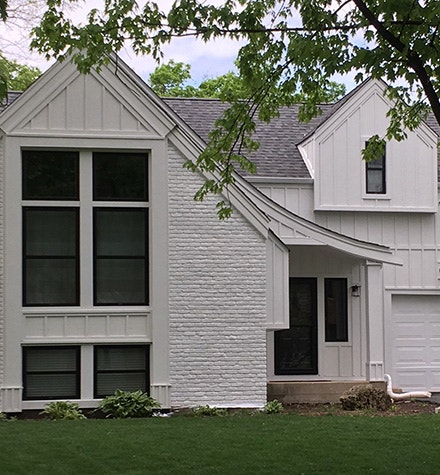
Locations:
(17, 76)
(289, 45)
(171, 80)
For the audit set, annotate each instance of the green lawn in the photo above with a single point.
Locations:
(259, 444)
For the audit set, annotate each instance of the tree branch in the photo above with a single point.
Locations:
(413, 59)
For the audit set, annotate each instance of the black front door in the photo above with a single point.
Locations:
(296, 349)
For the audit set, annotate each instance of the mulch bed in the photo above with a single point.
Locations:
(398, 408)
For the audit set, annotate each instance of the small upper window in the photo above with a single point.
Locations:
(120, 177)
(376, 174)
(50, 175)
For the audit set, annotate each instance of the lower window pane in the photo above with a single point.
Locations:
(51, 372)
(120, 281)
(51, 282)
(121, 367)
(51, 386)
(107, 384)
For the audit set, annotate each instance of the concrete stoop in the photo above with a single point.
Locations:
(291, 392)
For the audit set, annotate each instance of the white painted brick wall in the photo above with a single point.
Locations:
(2, 313)
(217, 272)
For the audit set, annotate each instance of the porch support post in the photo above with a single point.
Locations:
(375, 321)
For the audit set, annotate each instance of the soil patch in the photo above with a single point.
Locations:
(398, 408)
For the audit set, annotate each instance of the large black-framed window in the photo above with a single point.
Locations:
(51, 372)
(124, 367)
(120, 256)
(50, 175)
(50, 256)
(375, 172)
(120, 176)
(336, 309)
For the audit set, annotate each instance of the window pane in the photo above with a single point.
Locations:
(336, 318)
(50, 282)
(50, 175)
(121, 367)
(120, 232)
(120, 358)
(50, 257)
(107, 383)
(120, 177)
(375, 183)
(50, 231)
(51, 359)
(51, 386)
(120, 281)
(51, 372)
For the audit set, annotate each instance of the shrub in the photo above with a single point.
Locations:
(365, 397)
(63, 410)
(273, 407)
(209, 411)
(125, 404)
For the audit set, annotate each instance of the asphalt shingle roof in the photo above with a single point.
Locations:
(278, 154)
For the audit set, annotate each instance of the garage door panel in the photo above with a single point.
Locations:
(415, 342)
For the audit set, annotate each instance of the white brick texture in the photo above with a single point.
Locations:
(217, 272)
(2, 283)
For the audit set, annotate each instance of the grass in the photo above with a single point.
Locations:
(240, 444)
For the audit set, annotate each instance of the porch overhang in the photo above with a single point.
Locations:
(293, 230)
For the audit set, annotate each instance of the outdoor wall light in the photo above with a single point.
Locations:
(356, 290)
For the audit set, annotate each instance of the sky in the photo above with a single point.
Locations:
(207, 60)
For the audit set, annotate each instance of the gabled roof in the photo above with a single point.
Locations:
(278, 155)
(186, 123)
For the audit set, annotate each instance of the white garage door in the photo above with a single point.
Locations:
(415, 342)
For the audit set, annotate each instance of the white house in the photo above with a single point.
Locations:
(112, 276)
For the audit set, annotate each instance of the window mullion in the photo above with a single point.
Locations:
(86, 229)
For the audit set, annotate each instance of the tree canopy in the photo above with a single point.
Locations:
(17, 76)
(288, 46)
(173, 79)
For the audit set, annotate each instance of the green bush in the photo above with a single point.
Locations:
(273, 407)
(63, 410)
(209, 411)
(125, 404)
(365, 397)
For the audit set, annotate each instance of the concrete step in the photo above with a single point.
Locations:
(291, 392)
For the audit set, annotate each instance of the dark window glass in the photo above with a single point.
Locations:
(50, 175)
(120, 177)
(51, 372)
(376, 178)
(121, 256)
(50, 256)
(336, 317)
(121, 367)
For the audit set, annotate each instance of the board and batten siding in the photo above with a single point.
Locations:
(411, 165)
(414, 237)
(217, 300)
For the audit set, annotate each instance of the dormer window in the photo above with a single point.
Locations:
(376, 175)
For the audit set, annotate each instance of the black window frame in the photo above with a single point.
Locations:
(26, 155)
(140, 155)
(96, 373)
(377, 165)
(145, 257)
(26, 258)
(77, 372)
(336, 333)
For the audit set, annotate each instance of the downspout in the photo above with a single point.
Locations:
(403, 396)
